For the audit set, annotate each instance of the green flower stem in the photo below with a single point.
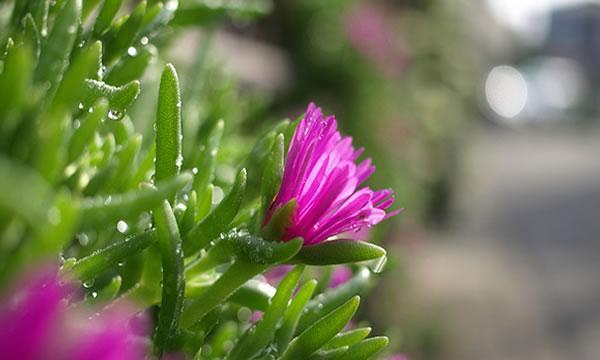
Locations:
(239, 273)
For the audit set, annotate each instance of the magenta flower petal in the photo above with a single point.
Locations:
(322, 174)
(36, 323)
(28, 318)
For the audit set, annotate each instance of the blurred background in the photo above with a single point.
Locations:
(481, 115)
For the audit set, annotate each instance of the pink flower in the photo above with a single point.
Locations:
(276, 273)
(322, 175)
(36, 323)
(369, 32)
(398, 357)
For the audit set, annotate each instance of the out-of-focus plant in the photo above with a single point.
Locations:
(175, 221)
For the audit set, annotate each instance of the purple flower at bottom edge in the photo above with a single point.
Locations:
(36, 323)
(322, 174)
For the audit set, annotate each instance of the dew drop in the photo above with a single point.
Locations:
(108, 200)
(76, 124)
(54, 215)
(194, 171)
(80, 106)
(94, 294)
(144, 40)
(122, 226)
(131, 51)
(83, 239)
(114, 114)
(88, 284)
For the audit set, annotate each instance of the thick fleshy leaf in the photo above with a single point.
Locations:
(98, 211)
(168, 126)
(173, 280)
(348, 338)
(118, 42)
(85, 132)
(107, 13)
(56, 51)
(218, 220)
(329, 300)
(263, 334)
(292, 314)
(91, 266)
(339, 251)
(365, 349)
(231, 280)
(320, 332)
(119, 98)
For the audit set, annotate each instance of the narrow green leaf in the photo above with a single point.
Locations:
(365, 349)
(55, 52)
(107, 293)
(319, 333)
(218, 220)
(99, 211)
(173, 281)
(254, 294)
(92, 266)
(263, 333)
(279, 222)
(168, 126)
(88, 7)
(189, 216)
(339, 251)
(348, 338)
(145, 168)
(15, 87)
(119, 98)
(292, 315)
(31, 35)
(51, 147)
(72, 85)
(23, 192)
(208, 157)
(231, 280)
(126, 158)
(329, 354)
(131, 67)
(271, 178)
(333, 298)
(106, 15)
(119, 42)
(85, 133)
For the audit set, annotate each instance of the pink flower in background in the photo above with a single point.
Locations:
(276, 273)
(369, 32)
(322, 174)
(36, 323)
(398, 357)
(340, 276)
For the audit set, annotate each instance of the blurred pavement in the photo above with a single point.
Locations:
(519, 272)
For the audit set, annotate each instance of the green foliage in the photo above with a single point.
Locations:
(108, 167)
